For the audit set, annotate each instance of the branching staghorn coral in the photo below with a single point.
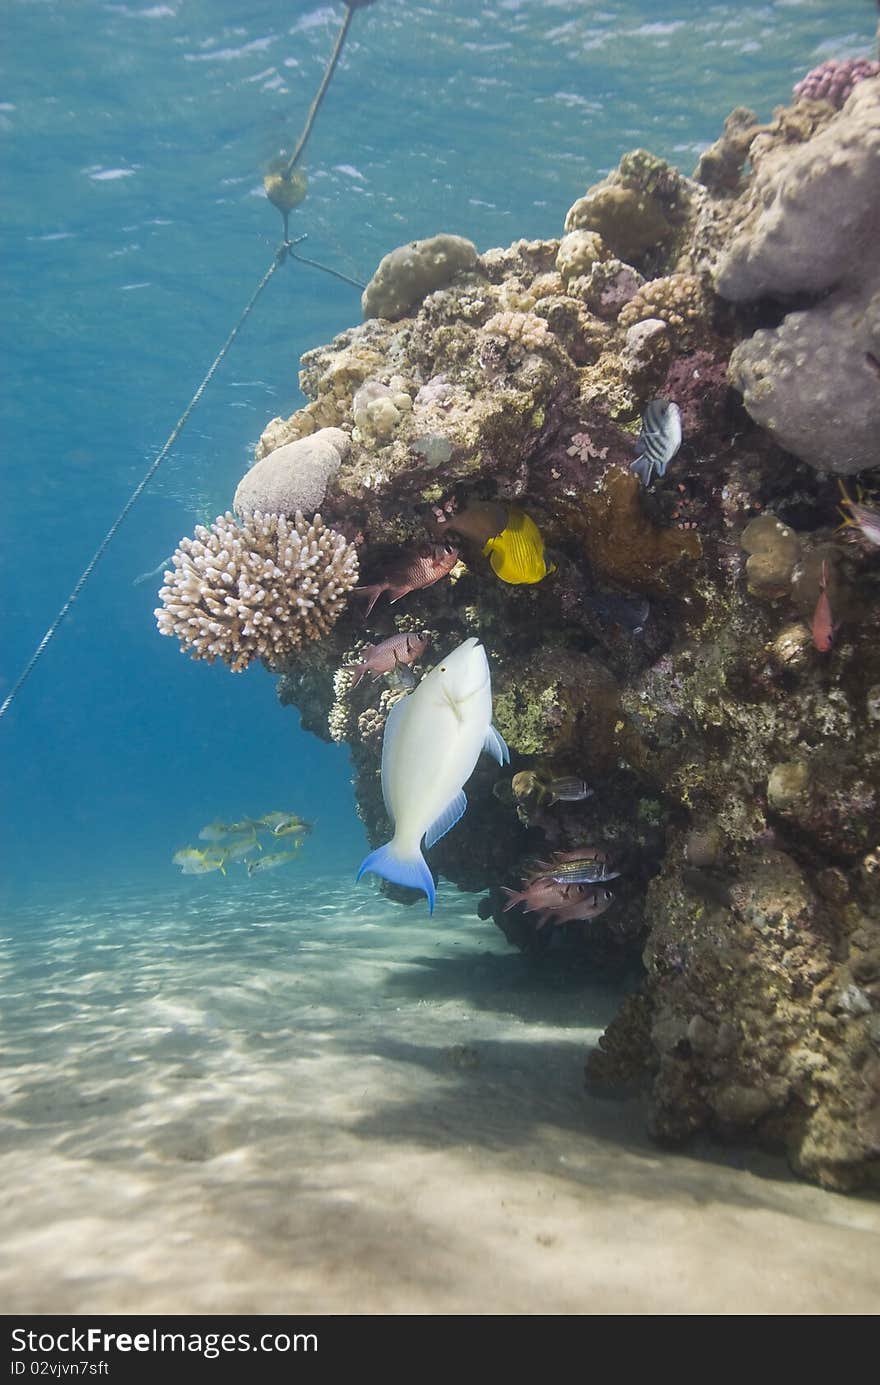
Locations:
(256, 589)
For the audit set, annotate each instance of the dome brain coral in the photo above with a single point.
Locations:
(256, 589)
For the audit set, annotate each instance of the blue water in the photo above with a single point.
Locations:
(134, 139)
(267, 1074)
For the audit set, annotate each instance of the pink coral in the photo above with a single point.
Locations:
(834, 80)
(583, 447)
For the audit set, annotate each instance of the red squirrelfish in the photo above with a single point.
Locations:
(543, 894)
(387, 656)
(578, 910)
(412, 571)
(823, 626)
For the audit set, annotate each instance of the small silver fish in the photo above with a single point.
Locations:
(153, 572)
(195, 862)
(237, 849)
(271, 862)
(579, 872)
(215, 831)
(401, 678)
(658, 441)
(283, 824)
(567, 790)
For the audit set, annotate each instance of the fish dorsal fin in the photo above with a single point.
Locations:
(448, 818)
(495, 746)
(392, 727)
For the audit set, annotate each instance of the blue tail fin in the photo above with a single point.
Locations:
(411, 870)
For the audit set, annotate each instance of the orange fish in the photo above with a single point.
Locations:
(823, 626)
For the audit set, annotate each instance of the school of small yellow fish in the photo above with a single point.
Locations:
(231, 842)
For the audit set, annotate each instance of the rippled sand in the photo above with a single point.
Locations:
(307, 1099)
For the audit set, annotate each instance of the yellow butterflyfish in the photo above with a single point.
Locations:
(517, 553)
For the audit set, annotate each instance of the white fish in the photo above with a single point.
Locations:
(432, 742)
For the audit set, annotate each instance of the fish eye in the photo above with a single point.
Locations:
(442, 668)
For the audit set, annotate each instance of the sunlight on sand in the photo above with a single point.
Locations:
(320, 1101)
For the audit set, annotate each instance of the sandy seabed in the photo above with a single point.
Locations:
(307, 1099)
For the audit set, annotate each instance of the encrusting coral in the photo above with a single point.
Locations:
(679, 300)
(808, 224)
(294, 476)
(256, 589)
(703, 653)
(410, 273)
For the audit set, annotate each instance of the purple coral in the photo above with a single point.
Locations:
(698, 384)
(833, 81)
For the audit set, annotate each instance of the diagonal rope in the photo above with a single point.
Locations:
(321, 92)
(282, 253)
(316, 264)
(142, 484)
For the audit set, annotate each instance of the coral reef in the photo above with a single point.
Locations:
(700, 657)
(834, 80)
(808, 223)
(377, 409)
(407, 275)
(679, 300)
(293, 477)
(256, 590)
(639, 207)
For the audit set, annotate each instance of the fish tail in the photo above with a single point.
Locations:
(643, 468)
(514, 897)
(374, 592)
(401, 870)
(359, 669)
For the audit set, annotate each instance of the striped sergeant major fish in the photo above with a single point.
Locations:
(658, 441)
